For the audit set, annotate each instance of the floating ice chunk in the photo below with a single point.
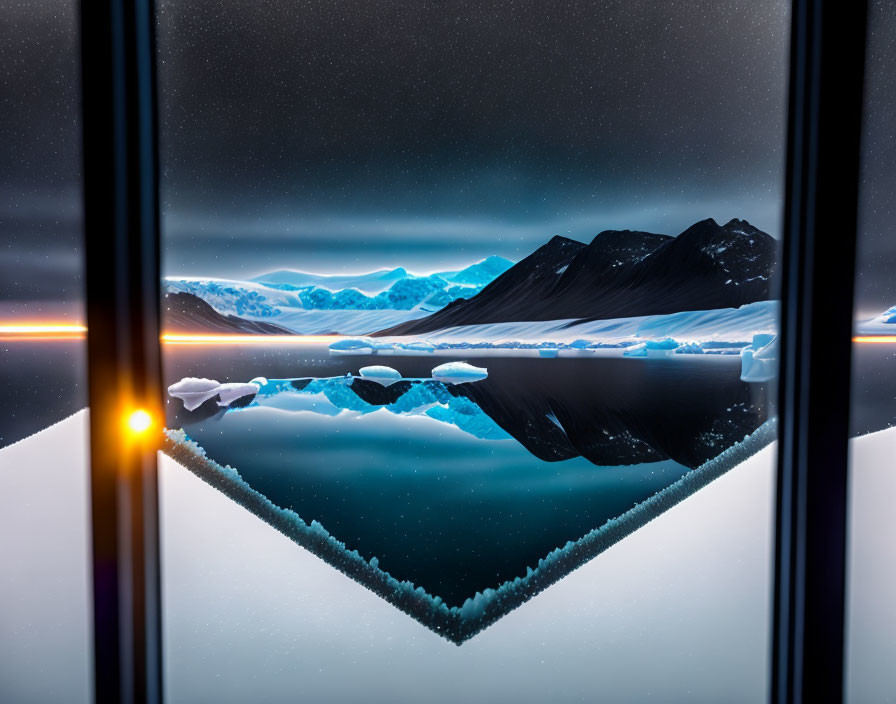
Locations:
(759, 362)
(380, 374)
(352, 345)
(418, 347)
(580, 344)
(458, 373)
(231, 392)
(548, 352)
(690, 348)
(193, 391)
(760, 341)
(259, 381)
(653, 348)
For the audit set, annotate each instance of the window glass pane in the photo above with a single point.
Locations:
(871, 617)
(469, 310)
(44, 639)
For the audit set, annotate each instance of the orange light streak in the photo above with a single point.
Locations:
(210, 339)
(10, 332)
(41, 329)
(40, 332)
(875, 339)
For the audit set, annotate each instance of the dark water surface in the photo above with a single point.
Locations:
(567, 445)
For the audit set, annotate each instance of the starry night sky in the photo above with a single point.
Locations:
(345, 136)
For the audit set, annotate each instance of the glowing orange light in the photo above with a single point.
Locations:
(139, 421)
(188, 339)
(41, 331)
(875, 339)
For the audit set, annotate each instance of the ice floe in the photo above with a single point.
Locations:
(353, 345)
(458, 373)
(759, 361)
(196, 391)
(654, 348)
(380, 374)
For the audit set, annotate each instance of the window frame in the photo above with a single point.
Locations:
(121, 196)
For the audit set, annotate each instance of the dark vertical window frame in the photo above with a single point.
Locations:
(124, 372)
(821, 208)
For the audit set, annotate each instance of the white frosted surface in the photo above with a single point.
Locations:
(871, 581)
(45, 641)
(677, 611)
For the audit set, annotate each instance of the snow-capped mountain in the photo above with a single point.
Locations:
(883, 324)
(622, 273)
(478, 275)
(318, 304)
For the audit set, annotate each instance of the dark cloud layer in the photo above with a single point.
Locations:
(348, 134)
(40, 206)
(373, 128)
(876, 281)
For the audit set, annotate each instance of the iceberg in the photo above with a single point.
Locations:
(228, 393)
(194, 391)
(458, 373)
(759, 361)
(380, 374)
(352, 345)
(417, 347)
(652, 348)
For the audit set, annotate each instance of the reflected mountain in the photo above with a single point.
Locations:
(598, 417)
(612, 412)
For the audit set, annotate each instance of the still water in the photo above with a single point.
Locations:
(461, 488)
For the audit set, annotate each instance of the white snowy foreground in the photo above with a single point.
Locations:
(678, 611)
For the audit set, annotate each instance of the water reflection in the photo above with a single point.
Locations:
(460, 489)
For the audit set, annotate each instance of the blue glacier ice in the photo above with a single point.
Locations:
(275, 294)
(653, 348)
(333, 395)
(458, 373)
(759, 361)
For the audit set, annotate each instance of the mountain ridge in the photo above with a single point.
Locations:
(621, 273)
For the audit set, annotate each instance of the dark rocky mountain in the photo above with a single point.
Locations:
(185, 312)
(622, 273)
